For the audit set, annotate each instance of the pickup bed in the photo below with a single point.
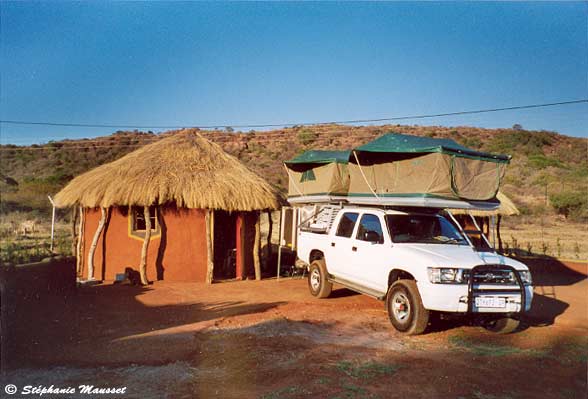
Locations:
(418, 263)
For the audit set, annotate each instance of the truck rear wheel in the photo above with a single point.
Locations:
(405, 308)
(318, 279)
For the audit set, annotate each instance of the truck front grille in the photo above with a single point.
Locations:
(491, 276)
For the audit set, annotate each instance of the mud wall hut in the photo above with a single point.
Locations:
(179, 209)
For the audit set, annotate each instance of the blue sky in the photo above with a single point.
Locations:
(255, 63)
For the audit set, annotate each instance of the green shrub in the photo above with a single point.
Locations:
(540, 161)
(472, 142)
(307, 136)
(572, 204)
(521, 140)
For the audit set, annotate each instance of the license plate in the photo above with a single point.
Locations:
(490, 302)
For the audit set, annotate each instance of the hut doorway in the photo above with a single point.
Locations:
(225, 245)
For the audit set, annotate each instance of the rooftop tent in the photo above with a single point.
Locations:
(318, 174)
(398, 165)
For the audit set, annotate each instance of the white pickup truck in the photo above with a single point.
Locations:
(419, 262)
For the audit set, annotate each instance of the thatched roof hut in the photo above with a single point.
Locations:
(190, 210)
(185, 168)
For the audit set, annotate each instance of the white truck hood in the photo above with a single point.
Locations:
(459, 256)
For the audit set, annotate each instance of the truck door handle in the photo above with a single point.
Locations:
(332, 244)
(354, 249)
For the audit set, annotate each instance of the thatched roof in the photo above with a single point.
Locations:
(185, 168)
(506, 208)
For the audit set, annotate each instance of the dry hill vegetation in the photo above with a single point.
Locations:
(547, 178)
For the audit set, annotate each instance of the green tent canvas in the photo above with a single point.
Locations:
(318, 173)
(399, 165)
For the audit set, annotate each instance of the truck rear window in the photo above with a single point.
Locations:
(423, 229)
(346, 224)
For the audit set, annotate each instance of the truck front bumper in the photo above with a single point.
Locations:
(454, 297)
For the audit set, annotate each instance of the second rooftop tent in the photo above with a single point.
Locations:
(319, 176)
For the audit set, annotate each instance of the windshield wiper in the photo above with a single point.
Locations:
(448, 240)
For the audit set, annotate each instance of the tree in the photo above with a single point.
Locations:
(517, 126)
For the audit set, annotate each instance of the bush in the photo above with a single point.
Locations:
(541, 162)
(520, 140)
(572, 204)
(307, 136)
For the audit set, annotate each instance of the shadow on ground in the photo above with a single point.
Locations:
(107, 324)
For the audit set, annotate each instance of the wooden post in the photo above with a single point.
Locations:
(95, 242)
(280, 244)
(209, 222)
(256, 246)
(498, 233)
(80, 244)
(74, 232)
(240, 244)
(52, 224)
(143, 264)
(268, 245)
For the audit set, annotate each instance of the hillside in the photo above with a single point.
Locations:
(545, 165)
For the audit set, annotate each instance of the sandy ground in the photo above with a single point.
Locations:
(271, 339)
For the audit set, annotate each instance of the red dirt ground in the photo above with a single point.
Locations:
(272, 339)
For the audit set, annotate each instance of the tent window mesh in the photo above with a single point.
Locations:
(307, 175)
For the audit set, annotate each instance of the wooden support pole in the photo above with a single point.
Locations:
(240, 241)
(74, 232)
(256, 247)
(498, 233)
(268, 245)
(80, 244)
(95, 242)
(143, 264)
(209, 222)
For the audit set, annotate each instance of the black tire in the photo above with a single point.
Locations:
(501, 325)
(405, 308)
(318, 279)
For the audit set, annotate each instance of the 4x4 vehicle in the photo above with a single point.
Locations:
(419, 262)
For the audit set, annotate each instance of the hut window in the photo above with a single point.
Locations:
(139, 218)
(307, 175)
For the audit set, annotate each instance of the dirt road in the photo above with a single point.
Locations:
(272, 339)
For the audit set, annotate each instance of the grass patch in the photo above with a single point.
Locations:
(284, 392)
(481, 395)
(366, 371)
(480, 349)
(354, 392)
(322, 380)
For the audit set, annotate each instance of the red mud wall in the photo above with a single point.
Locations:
(178, 253)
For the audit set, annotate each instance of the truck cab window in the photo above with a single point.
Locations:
(346, 224)
(423, 229)
(370, 229)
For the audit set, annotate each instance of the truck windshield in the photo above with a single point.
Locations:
(424, 229)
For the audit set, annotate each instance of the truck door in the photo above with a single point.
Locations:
(370, 253)
(338, 256)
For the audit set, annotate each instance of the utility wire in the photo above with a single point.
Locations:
(394, 118)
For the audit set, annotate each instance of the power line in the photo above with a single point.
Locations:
(217, 137)
(264, 139)
(267, 125)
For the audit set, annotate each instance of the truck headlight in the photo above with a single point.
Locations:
(526, 277)
(445, 275)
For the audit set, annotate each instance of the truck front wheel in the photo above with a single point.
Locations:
(405, 308)
(318, 282)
